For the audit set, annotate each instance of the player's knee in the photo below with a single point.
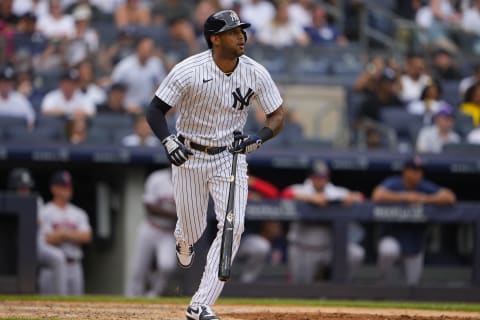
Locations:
(389, 248)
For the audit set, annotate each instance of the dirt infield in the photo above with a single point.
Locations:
(162, 311)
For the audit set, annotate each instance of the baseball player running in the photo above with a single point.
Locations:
(212, 91)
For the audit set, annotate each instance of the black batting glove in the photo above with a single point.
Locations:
(177, 153)
(249, 144)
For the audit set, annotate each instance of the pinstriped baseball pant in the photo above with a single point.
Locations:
(200, 176)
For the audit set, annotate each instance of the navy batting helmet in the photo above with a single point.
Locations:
(222, 21)
(20, 178)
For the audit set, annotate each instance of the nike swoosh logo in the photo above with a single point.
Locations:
(207, 80)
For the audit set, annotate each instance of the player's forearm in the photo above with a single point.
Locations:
(276, 120)
(443, 197)
(384, 195)
(79, 237)
(156, 118)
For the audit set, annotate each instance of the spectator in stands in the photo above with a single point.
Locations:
(258, 13)
(21, 182)
(429, 102)
(86, 38)
(471, 103)
(52, 60)
(76, 130)
(384, 95)
(474, 136)
(367, 81)
(202, 11)
(66, 227)
(414, 78)
(95, 13)
(142, 134)
(443, 66)
(176, 16)
(132, 13)
(12, 103)
(299, 12)
(7, 33)
(141, 72)
(38, 8)
(310, 244)
(87, 83)
(405, 241)
(431, 139)
(28, 41)
(320, 31)
(115, 102)
(123, 47)
(436, 19)
(56, 25)
(281, 31)
(68, 100)
(469, 81)
(262, 241)
(471, 18)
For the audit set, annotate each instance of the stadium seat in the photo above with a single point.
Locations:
(463, 148)
(38, 135)
(99, 135)
(112, 121)
(463, 124)
(7, 121)
(276, 60)
(119, 134)
(405, 124)
(451, 93)
(387, 136)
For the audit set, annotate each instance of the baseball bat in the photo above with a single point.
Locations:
(227, 236)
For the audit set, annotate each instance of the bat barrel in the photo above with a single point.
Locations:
(227, 236)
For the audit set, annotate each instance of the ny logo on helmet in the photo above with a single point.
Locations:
(239, 101)
(234, 17)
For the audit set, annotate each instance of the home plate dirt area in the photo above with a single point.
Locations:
(164, 311)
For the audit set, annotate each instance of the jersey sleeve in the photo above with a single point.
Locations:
(268, 97)
(83, 223)
(173, 86)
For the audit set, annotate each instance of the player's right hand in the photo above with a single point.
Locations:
(177, 153)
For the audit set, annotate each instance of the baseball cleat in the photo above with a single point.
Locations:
(185, 254)
(200, 313)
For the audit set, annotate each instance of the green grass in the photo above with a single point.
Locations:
(441, 306)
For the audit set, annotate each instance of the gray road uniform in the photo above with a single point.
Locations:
(155, 240)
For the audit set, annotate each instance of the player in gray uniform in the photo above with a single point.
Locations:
(310, 244)
(154, 238)
(66, 227)
(212, 92)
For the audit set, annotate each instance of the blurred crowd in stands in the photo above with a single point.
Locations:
(84, 71)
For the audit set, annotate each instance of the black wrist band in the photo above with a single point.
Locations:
(265, 133)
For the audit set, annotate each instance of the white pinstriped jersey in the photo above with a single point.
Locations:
(212, 105)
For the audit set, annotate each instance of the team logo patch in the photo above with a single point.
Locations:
(230, 217)
(241, 101)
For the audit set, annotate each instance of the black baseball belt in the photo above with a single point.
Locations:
(199, 147)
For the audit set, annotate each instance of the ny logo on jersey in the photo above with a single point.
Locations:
(240, 102)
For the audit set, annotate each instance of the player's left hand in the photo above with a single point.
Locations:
(249, 144)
